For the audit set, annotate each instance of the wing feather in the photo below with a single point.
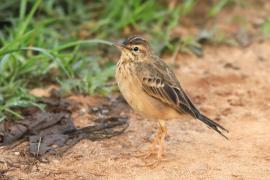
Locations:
(167, 94)
(160, 82)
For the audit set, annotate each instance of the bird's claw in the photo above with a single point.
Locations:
(154, 163)
(146, 154)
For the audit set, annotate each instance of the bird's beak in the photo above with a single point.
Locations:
(119, 46)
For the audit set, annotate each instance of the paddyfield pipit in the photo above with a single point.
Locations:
(151, 88)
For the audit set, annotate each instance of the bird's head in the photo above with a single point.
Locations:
(134, 48)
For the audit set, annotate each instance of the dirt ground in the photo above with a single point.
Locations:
(229, 84)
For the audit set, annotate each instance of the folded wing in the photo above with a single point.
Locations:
(175, 97)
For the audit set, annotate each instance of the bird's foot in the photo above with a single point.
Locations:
(155, 152)
(159, 153)
(146, 154)
(157, 147)
(152, 150)
(151, 157)
(155, 162)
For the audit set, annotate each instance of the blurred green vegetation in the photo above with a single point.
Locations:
(266, 28)
(66, 42)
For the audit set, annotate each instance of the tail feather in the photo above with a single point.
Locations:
(215, 126)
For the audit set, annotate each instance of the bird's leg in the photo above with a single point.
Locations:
(152, 149)
(157, 140)
(162, 132)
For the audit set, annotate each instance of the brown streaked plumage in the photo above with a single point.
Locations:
(151, 88)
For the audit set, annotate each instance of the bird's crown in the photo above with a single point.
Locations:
(135, 40)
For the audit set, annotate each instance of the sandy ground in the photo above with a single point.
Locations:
(230, 85)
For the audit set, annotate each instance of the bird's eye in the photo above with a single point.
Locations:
(135, 49)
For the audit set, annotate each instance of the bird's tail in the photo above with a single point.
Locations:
(215, 126)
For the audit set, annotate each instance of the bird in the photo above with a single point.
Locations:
(152, 89)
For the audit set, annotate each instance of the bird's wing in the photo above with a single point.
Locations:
(161, 83)
(167, 93)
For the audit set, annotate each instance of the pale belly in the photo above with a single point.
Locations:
(141, 102)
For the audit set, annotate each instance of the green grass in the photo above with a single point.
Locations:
(266, 28)
(43, 45)
(31, 50)
(67, 42)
